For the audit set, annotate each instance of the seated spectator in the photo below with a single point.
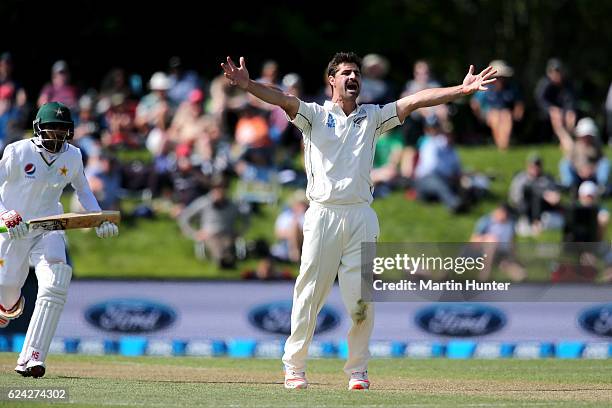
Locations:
(104, 177)
(289, 227)
(188, 182)
(583, 239)
(19, 98)
(182, 82)
(114, 83)
(218, 219)
(12, 118)
(584, 157)
(185, 123)
(60, 89)
(438, 171)
(120, 126)
(254, 147)
(146, 111)
(212, 152)
(500, 106)
(536, 197)
(374, 88)
(415, 123)
(87, 127)
(495, 234)
(586, 220)
(554, 92)
(389, 160)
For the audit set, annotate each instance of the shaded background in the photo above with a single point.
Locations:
(302, 35)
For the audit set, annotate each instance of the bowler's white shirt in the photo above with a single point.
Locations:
(32, 185)
(339, 149)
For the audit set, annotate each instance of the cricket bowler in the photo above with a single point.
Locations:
(339, 139)
(33, 174)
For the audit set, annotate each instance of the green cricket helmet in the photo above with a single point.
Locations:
(53, 127)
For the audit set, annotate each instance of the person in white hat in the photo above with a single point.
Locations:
(586, 220)
(584, 158)
(149, 105)
(500, 106)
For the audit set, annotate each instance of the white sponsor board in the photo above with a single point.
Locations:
(260, 310)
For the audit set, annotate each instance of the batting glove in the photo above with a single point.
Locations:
(107, 229)
(17, 228)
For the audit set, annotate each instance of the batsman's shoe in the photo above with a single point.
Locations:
(22, 370)
(359, 381)
(35, 369)
(7, 315)
(295, 380)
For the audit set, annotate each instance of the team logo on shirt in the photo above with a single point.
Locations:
(1, 262)
(63, 171)
(331, 122)
(30, 169)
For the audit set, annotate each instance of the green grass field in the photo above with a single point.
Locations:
(219, 382)
(156, 248)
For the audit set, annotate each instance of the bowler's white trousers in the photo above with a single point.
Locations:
(332, 246)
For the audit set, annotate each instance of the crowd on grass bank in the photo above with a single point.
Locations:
(201, 135)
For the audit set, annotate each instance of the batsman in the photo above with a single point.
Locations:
(33, 174)
(339, 139)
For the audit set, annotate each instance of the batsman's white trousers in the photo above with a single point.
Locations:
(17, 254)
(332, 246)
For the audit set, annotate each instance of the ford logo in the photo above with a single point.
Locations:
(130, 316)
(597, 320)
(460, 320)
(275, 318)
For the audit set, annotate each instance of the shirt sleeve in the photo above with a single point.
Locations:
(81, 187)
(304, 117)
(387, 118)
(5, 170)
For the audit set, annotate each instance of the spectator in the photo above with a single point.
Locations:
(494, 235)
(414, 126)
(188, 182)
(120, 125)
(390, 158)
(211, 150)
(500, 106)
(146, 111)
(19, 98)
(536, 197)
(438, 171)
(87, 127)
(584, 157)
(217, 217)
(182, 82)
(12, 118)
(60, 89)
(586, 220)
(280, 131)
(374, 88)
(186, 122)
(289, 229)
(114, 83)
(104, 177)
(584, 239)
(269, 73)
(553, 92)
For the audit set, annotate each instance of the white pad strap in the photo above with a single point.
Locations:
(53, 285)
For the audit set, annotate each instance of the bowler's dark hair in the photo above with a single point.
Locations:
(342, 58)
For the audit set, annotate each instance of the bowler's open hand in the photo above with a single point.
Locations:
(473, 83)
(237, 75)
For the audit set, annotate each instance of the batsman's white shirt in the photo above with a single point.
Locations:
(32, 182)
(339, 149)
(339, 155)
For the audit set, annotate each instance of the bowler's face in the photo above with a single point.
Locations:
(347, 81)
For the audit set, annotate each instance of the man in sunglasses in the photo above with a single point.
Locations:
(33, 174)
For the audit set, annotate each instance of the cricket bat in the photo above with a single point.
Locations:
(71, 221)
